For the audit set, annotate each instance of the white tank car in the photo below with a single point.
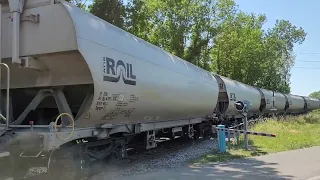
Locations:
(312, 103)
(237, 91)
(280, 102)
(132, 80)
(296, 103)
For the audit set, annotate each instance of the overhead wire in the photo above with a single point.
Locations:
(308, 61)
(308, 53)
(306, 67)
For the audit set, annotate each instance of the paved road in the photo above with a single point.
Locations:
(301, 164)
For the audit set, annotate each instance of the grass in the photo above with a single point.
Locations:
(293, 132)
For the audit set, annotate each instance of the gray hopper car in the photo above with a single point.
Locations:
(109, 87)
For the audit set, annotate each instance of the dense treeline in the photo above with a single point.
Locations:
(315, 94)
(212, 34)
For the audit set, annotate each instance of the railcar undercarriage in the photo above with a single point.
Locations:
(33, 140)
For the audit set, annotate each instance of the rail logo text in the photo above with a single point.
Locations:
(114, 70)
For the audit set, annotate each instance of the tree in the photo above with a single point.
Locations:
(238, 47)
(112, 11)
(138, 19)
(280, 41)
(79, 3)
(245, 52)
(185, 28)
(315, 94)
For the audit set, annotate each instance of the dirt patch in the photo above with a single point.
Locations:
(294, 131)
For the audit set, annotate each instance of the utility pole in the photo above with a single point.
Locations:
(218, 60)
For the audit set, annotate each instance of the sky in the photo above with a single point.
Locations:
(305, 14)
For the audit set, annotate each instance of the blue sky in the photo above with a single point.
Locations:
(303, 14)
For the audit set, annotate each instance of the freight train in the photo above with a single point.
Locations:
(71, 80)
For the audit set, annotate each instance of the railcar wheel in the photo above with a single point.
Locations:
(197, 132)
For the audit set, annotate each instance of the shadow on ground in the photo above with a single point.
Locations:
(236, 169)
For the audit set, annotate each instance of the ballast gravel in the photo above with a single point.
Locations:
(172, 159)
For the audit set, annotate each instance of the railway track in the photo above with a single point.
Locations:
(168, 153)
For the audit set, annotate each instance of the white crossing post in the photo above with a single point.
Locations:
(246, 138)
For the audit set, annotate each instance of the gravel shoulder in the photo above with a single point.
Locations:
(302, 164)
(158, 159)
